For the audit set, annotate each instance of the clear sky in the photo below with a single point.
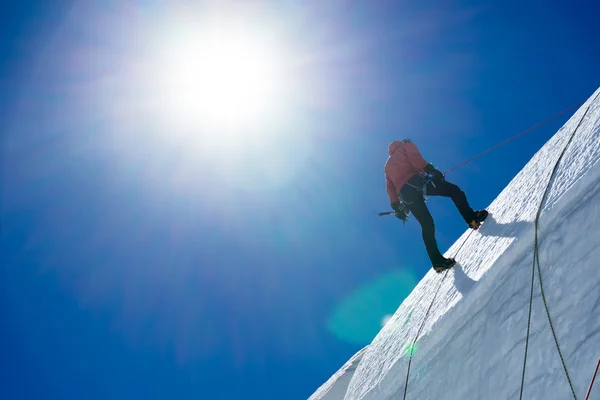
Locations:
(156, 243)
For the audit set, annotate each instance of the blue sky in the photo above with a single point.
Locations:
(136, 264)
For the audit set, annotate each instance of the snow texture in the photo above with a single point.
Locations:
(335, 388)
(472, 345)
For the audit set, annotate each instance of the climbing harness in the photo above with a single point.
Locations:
(403, 210)
(422, 188)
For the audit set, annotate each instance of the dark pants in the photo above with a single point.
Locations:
(412, 196)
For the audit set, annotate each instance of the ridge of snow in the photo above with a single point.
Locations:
(472, 345)
(336, 386)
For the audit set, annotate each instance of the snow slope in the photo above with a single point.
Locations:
(335, 388)
(472, 345)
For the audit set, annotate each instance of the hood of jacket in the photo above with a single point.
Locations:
(395, 144)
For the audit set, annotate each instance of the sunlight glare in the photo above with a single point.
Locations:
(221, 88)
(222, 78)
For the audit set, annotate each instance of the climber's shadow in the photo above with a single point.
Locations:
(462, 282)
(491, 227)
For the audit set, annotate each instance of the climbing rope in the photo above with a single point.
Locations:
(587, 396)
(518, 135)
(427, 314)
(536, 262)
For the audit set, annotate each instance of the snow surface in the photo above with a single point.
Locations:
(472, 345)
(335, 388)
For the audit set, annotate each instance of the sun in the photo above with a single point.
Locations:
(221, 78)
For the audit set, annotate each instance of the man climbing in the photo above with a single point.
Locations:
(408, 179)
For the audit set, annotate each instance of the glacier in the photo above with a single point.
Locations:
(473, 319)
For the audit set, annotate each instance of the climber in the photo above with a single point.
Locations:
(408, 179)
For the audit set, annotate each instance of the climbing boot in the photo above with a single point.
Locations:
(445, 264)
(480, 216)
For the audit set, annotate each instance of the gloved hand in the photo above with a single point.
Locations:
(437, 175)
(400, 211)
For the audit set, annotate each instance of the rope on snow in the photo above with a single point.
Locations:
(587, 396)
(426, 314)
(536, 262)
